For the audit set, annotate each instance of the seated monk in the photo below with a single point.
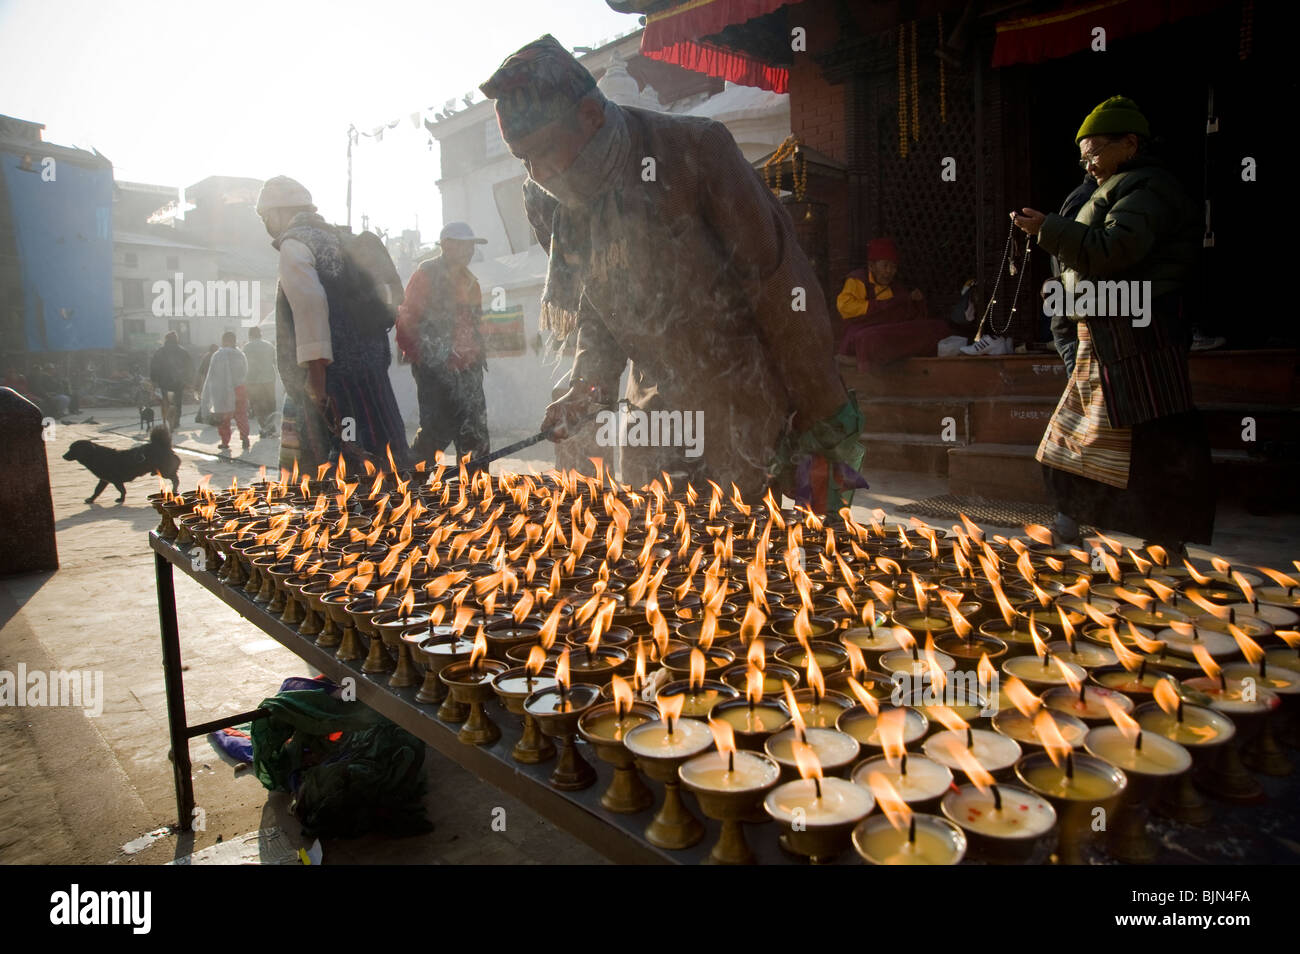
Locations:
(884, 321)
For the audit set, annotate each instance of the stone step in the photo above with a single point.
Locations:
(1010, 420)
(960, 377)
(896, 451)
(1267, 376)
(1227, 429)
(923, 417)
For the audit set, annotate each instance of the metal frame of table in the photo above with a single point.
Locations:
(618, 837)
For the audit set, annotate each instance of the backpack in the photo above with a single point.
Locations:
(380, 288)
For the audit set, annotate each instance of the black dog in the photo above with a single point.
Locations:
(146, 418)
(117, 467)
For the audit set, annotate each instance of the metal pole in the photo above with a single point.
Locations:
(174, 682)
(351, 138)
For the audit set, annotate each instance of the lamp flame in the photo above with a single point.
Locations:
(1049, 733)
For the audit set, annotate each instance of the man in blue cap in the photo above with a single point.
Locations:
(439, 331)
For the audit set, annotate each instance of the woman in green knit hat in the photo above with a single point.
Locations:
(1126, 449)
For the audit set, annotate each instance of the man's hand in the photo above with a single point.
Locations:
(568, 410)
(1028, 221)
(916, 295)
(316, 380)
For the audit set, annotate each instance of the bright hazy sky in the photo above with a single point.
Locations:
(172, 90)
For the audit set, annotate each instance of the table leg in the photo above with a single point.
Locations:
(174, 682)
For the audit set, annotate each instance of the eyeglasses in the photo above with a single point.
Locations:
(1088, 161)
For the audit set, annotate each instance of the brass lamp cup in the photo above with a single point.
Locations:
(935, 621)
(350, 647)
(654, 655)
(1051, 618)
(822, 711)
(222, 541)
(1225, 775)
(967, 650)
(281, 598)
(360, 611)
(599, 666)
(390, 625)
(265, 582)
(440, 651)
(519, 654)
(532, 747)
(865, 828)
(572, 772)
(820, 844)
(1182, 801)
(1016, 725)
(716, 660)
(820, 628)
(1128, 839)
(166, 527)
(1075, 815)
(674, 827)
(187, 529)
(834, 657)
(1138, 693)
(502, 637)
(470, 683)
(1018, 640)
(859, 723)
(1031, 849)
(627, 794)
(331, 630)
(691, 630)
(296, 607)
(775, 678)
(732, 809)
(753, 741)
(770, 646)
(682, 687)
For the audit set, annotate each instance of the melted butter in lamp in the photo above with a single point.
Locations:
(747, 771)
(1023, 814)
(841, 802)
(994, 752)
(925, 778)
(1233, 699)
(937, 842)
(864, 727)
(1199, 725)
(1157, 756)
(653, 740)
(833, 749)
(610, 727)
(1087, 784)
(761, 718)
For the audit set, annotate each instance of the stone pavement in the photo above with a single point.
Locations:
(76, 789)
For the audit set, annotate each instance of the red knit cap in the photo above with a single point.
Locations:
(879, 249)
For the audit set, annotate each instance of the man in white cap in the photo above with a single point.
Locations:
(439, 332)
(331, 329)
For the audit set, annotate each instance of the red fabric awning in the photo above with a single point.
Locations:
(1047, 36)
(677, 36)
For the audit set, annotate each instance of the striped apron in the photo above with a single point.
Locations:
(1079, 439)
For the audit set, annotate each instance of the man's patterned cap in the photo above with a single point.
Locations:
(537, 84)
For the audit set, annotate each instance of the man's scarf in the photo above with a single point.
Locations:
(583, 192)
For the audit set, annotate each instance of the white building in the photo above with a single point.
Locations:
(482, 183)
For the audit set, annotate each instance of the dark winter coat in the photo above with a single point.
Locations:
(1138, 225)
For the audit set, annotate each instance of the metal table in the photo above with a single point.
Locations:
(618, 837)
